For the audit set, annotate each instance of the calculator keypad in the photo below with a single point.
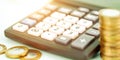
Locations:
(64, 26)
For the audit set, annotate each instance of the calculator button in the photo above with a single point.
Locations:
(65, 10)
(36, 16)
(43, 26)
(51, 7)
(85, 23)
(29, 21)
(64, 24)
(35, 31)
(91, 17)
(71, 19)
(20, 27)
(49, 36)
(96, 26)
(63, 40)
(50, 20)
(93, 32)
(58, 15)
(83, 9)
(95, 12)
(44, 12)
(78, 28)
(71, 34)
(78, 13)
(82, 41)
(57, 30)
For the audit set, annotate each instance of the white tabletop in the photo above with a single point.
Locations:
(12, 11)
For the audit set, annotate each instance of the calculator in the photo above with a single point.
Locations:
(67, 28)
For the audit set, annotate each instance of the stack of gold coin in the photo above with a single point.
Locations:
(109, 34)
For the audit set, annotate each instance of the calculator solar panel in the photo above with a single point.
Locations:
(66, 29)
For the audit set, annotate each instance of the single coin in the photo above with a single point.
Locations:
(109, 51)
(109, 44)
(3, 48)
(17, 51)
(32, 55)
(109, 15)
(110, 39)
(110, 28)
(104, 57)
(106, 34)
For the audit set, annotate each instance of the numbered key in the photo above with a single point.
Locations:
(20, 27)
(71, 19)
(63, 40)
(91, 17)
(85, 23)
(64, 24)
(58, 15)
(71, 34)
(93, 32)
(43, 26)
(65, 10)
(57, 30)
(78, 28)
(78, 13)
(48, 36)
(35, 31)
(50, 20)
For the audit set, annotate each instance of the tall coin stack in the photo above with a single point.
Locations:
(109, 34)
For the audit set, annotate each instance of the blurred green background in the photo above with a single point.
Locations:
(105, 3)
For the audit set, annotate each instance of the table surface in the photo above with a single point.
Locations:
(12, 11)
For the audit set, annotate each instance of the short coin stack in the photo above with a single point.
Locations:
(110, 34)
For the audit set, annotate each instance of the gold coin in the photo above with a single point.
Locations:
(107, 28)
(110, 22)
(109, 57)
(16, 52)
(109, 34)
(108, 44)
(111, 39)
(3, 48)
(109, 18)
(109, 51)
(109, 15)
(32, 55)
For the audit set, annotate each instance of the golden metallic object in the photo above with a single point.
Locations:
(112, 39)
(110, 51)
(108, 16)
(16, 52)
(109, 34)
(32, 55)
(109, 44)
(3, 48)
(109, 57)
